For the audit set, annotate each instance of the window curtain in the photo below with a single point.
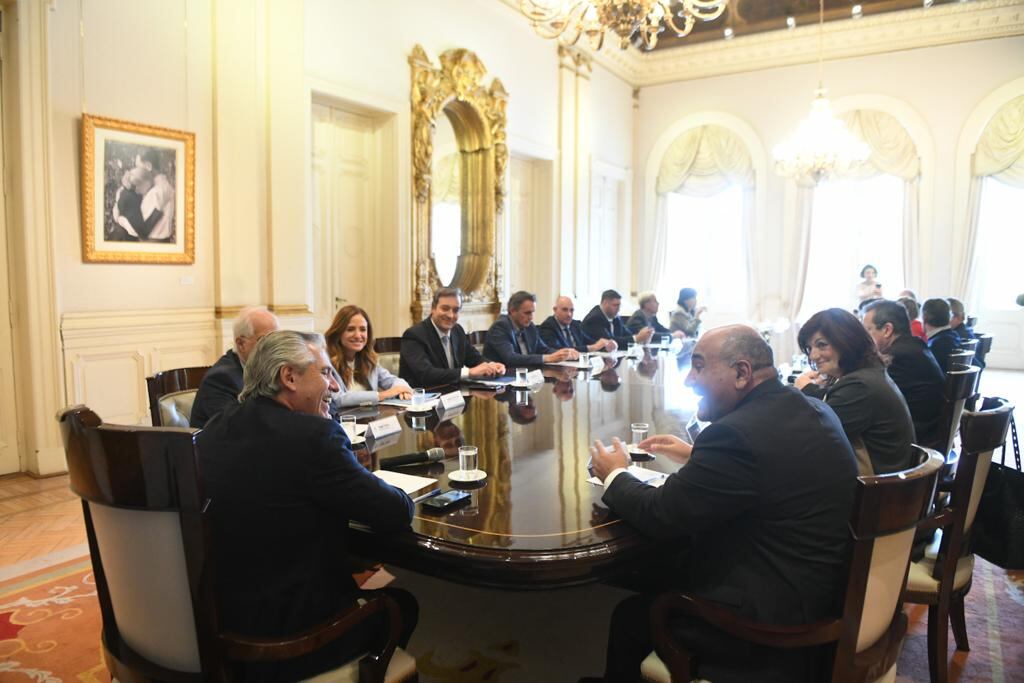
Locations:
(1000, 155)
(701, 162)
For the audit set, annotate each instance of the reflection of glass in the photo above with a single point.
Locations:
(446, 209)
(419, 423)
(468, 458)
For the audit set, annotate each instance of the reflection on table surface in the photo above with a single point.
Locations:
(536, 504)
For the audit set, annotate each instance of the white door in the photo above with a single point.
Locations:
(345, 224)
(9, 460)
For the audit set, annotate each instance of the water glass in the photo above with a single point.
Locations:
(521, 375)
(348, 423)
(631, 349)
(639, 430)
(468, 459)
(419, 397)
(585, 359)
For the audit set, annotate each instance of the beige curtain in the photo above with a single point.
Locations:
(1000, 155)
(701, 162)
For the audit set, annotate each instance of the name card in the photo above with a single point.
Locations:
(374, 445)
(383, 427)
(450, 401)
(534, 377)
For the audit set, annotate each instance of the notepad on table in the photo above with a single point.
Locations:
(649, 477)
(416, 487)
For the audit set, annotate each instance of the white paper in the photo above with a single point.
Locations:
(383, 427)
(451, 400)
(649, 477)
(534, 377)
(409, 483)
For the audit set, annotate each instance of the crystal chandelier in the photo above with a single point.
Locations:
(822, 146)
(567, 20)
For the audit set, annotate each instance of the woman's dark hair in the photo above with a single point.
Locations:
(685, 294)
(865, 269)
(847, 336)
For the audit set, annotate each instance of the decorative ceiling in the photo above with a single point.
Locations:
(747, 17)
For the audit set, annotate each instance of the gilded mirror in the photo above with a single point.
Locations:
(459, 161)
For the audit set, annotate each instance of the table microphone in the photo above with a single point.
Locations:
(430, 455)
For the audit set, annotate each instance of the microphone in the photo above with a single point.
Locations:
(430, 455)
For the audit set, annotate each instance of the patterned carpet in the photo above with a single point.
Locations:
(50, 624)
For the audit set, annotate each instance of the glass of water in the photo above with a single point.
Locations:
(521, 376)
(419, 397)
(348, 423)
(639, 430)
(585, 359)
(632, 349)
(468, 459)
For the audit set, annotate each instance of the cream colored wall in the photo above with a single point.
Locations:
(941, 84)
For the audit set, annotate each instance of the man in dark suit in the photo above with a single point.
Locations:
(283, 485)
(560, 331)
(912, 367)
(647, 316)
(958, 319)
(436, 351)
(603, 321)
(515, 341)
(942, 340)
(765, 499)
(222, 382)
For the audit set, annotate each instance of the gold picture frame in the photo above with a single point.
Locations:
(138, 193)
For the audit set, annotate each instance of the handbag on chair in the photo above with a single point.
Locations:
(998, 533)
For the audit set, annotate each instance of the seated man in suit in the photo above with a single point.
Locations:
(764, 500)
(647, 316)
(560, 331)
(958, 319)
(942, 340)
(911, 366)
(436, 351)
(514, 341)
(603, 321)
(285, 484)
(222, 382)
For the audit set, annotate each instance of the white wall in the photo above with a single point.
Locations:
(942, 85)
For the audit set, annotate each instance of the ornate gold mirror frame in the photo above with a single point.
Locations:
(477, 115)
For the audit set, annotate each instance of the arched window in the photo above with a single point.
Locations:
(704, 212)
(866, 216)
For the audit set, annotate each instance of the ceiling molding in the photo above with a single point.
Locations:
(878, 34)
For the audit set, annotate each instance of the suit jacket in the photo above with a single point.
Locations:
(220, 388)
(765, 499)
(422, 362)
(501, 344)
(380, 379)
(554, 336)
(943, 344)
(283, 486)
(875, 418)
(638, 321)
(921, 381)
(598, 327)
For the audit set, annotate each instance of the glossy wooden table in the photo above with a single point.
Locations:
(535, 522)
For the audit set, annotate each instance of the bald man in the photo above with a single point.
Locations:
(560, 331)
(223, 382)
(764, 501)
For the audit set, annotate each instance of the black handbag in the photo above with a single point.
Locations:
(998, 533)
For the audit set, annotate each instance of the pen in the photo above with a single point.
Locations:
(429, 494)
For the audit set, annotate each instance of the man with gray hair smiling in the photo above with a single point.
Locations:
(764, 501)
(222, 382)
(283, 484)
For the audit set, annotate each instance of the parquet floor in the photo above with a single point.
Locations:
(37, 517)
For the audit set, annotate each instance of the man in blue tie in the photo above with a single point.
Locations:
(514, 340)
(603, 321)
(560, 331)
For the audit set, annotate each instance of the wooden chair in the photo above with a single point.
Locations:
(983, 347)
(149, 536)
(388, 352)
(961, 383)
(868, 635)
(172, 393)
(478, 338)
(943, 578)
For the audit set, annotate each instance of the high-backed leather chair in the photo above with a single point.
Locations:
(478, 338)
(869, 633)
(172, 393)
(388, 352)
(942, 578)
(983, 347)
(149, 538)
(961, 383)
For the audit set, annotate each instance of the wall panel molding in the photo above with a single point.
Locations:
(109, 354)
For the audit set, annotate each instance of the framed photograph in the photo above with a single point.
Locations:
(138, 193)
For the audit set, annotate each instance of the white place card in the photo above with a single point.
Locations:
(534, 377)
(451, 401)
(383, 427)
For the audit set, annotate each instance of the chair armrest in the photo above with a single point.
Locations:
(246, 649)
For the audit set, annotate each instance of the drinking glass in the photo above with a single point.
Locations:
(631, 349)
(419, 397)
(348, 423)
(639, 430)
(521, 375)
(585, 359)
(468, 460)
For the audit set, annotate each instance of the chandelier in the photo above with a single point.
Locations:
(568, 20)
(822, 146)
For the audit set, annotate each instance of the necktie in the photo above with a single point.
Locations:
(522, 343)
(446, 342)
(568, 335)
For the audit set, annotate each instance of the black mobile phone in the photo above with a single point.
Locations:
(446, 501)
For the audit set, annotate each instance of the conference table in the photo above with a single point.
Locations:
(535, 522)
